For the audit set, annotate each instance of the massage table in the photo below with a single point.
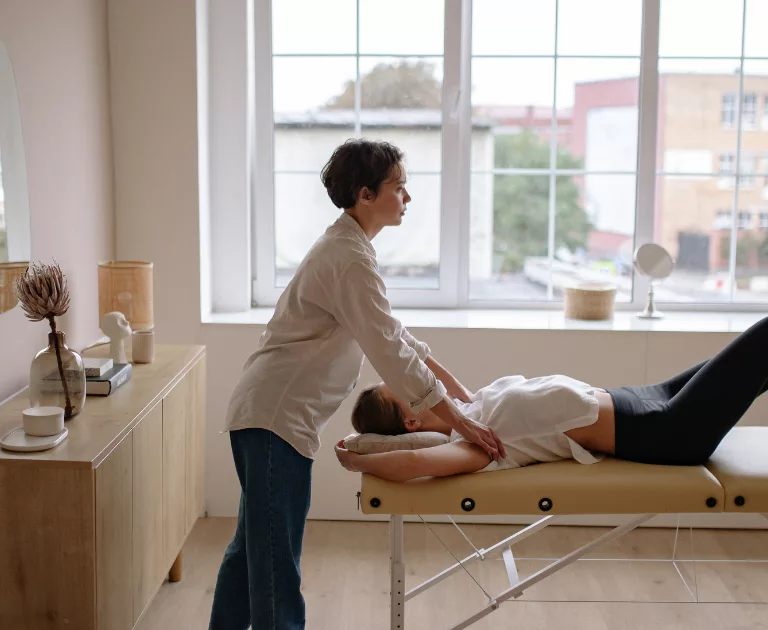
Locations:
(734, 480)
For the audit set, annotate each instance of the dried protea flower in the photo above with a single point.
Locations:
(43, 292)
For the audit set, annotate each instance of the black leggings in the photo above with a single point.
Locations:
(681, 421)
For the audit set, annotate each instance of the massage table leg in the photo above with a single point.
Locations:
(517, 586)
(397, 573)
(516, 591)
(482, 554)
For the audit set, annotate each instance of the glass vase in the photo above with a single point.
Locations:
(46, 386)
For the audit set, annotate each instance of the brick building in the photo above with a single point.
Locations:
(696, 157)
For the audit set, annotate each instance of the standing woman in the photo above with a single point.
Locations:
(308, 360)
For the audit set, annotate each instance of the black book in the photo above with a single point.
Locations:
(108, 382)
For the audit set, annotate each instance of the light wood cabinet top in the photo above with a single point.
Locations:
(104, 420)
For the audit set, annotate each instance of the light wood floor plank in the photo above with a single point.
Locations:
(346, 583)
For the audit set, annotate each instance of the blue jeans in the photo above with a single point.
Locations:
(260, 576)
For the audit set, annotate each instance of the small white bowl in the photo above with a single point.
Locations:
(43, 421)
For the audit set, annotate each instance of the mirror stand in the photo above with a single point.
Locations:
(650, 311)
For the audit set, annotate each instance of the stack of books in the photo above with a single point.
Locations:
(103, 376)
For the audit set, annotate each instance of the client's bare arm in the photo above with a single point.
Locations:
(435, 461)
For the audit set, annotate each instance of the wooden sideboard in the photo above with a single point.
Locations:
(90, 529)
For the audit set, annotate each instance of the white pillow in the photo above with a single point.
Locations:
(373, 443)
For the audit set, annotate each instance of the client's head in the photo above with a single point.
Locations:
(375, 412)
(378, 410)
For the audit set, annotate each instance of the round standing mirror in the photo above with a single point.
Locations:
(655, 262)
(14, 200)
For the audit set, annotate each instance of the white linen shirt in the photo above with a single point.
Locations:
(308, 360)
(531, 416)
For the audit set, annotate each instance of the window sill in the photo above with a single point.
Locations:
(519, 319)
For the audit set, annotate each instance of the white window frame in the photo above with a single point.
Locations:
(263, 266)
(455, 186)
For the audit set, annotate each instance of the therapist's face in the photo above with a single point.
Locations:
(388, 207)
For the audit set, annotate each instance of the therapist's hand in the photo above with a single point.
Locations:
(469, 429)
(483, 436)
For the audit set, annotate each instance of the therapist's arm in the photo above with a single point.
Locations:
(359, 303)
(453, 387)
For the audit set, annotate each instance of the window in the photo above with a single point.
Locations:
(541, 146)
(764, 124)
(763, 221)
(727, 164)
(747, 170)
(553, 196)
(338, 73)
(727, 170)
(745, 221)
(750, 111)
(729, 110)
(723, 220)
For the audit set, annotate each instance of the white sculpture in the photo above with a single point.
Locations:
(116, 327)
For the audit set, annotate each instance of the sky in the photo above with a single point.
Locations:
(689, 28)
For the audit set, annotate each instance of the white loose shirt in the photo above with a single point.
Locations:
(531, 416)
(308, 360)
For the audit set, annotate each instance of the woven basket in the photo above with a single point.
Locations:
(590, 301)
(9, 273)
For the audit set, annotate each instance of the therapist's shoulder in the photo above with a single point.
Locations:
(341, 253)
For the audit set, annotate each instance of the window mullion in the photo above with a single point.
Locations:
(465, 152)
(647, 138)
(263, 181)
(737, 183)
(455, 170)
(552, 218)
(358, 86)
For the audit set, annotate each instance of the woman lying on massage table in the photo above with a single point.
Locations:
(679, 422)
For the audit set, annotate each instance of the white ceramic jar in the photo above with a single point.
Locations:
(43, 421)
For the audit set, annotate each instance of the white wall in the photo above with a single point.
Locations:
(59, 55)
(155, 119)
(153, 84)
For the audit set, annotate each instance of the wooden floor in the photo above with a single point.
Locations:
(720, 582)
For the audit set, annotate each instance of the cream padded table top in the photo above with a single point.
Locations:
(741, 465)
(734, 480)
(566, 487)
